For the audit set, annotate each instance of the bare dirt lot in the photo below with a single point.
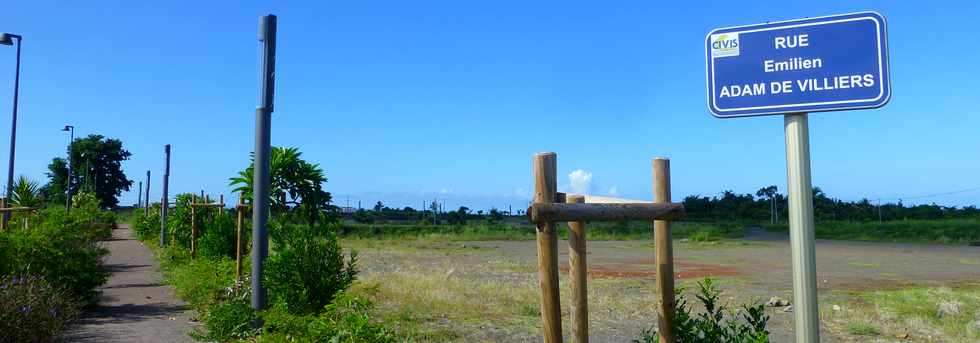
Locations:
(487, 291)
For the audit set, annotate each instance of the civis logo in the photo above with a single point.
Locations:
(725, 44)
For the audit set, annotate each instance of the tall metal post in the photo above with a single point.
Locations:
(801, 231)
(263, 122)
(165, 201)
(13, 125)
(71, 140)
(139, 198)
(146, 201)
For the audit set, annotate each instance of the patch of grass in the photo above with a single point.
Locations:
(599, 231)
(970, 262)
(946, 231)
(942, 313)
(865, 265)
(862, 329)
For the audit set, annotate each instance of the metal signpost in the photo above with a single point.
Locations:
(790, 68)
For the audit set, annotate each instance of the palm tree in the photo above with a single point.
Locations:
(294, 182)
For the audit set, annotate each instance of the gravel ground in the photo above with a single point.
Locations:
(757, 267)
(136, 306)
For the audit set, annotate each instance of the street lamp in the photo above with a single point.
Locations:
(71, 129)
(8, 39)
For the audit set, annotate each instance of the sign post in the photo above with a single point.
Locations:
(791, 68)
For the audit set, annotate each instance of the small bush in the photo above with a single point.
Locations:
(229, 321)
(346, 319)
(747, 325)
(32, 310)
(308, 269)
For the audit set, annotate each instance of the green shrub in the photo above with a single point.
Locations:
(219, 237)
(748, 325)
(202, 282)
(147, 227)
(229, 321)
(63, 249)
(32, 310)
(308, 269)
(346, 319)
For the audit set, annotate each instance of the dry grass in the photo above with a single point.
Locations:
(939, 314)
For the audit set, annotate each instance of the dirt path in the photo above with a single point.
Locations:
(135, 305)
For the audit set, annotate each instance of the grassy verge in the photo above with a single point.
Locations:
(921, 314)
(485, 232)
(956, 231)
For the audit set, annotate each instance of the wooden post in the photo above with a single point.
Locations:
(545, 191)
(579, 275)
(193, 226)
(3, 223)
(238, 235)
(665, 253)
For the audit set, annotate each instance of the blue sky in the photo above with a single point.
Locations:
(408, 101)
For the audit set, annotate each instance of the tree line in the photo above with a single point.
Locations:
(767, 204)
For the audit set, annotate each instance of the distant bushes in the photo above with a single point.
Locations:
(934, 231)
(482, 231)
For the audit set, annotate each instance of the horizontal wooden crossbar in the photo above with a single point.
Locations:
(557, 212)
(208, 205)
(19, 209)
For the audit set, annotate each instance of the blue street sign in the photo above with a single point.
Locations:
(819, 64)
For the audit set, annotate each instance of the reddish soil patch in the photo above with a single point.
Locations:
(643, 268)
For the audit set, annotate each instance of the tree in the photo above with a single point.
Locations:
(96, 164)
(770, 193)
(379, 206)
(295, 184)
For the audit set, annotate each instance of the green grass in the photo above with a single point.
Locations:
(947, 231)
(939, 314)
(485, 232)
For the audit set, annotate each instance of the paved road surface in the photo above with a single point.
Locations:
(135, 306)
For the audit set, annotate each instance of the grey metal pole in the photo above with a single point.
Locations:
(146, 201)
(71, 140)
(139, 198)
(164, 201)
(801, 233)
(263, 123)
(13, 125)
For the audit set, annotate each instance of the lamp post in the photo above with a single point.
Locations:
(71, 140)
(8, 39)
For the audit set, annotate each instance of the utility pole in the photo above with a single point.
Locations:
(263, 123)
(146, 209)
(139, 199)
(164, 202)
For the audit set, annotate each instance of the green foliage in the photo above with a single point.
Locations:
(147, 227)
(935, 231)
(202, 282)
(26, 193)
(717, 323)
(219, 235)
(96, 164)
(229, 321)
(346, 319)
(308, 269)
(295, 184)
(62, 248)
(33, 310)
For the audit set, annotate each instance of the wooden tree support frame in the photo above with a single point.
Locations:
(194, 205)
(550, 207)
(6, 212)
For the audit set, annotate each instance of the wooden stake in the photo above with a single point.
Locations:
(545, 191)
(238, 235)
(193, 226)
(579, 275)
(665, 253)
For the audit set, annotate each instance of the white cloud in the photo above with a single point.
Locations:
(580, 181)
(613, 191)
(445, 190)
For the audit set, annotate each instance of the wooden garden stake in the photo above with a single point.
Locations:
(579, 274)
(665, 253)
(545, 191)
(238, 235)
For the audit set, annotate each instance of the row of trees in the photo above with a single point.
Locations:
(461, 215)
(767, 204)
